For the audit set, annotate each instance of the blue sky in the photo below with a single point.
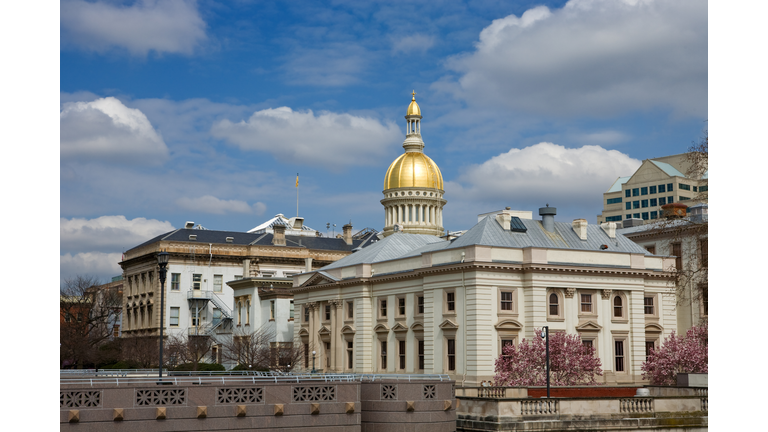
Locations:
(205, 111)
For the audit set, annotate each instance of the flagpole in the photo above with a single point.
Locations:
(297, 194)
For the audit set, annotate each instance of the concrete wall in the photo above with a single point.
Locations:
(245, 405)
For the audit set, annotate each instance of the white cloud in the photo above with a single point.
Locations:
(592, 57)
(543, 173)
(259, 208)
(170, 26)
(99, 264)
(107, 130)
(327, 138)
(334, 66)
(108, 234)
(413, 43)
(213, 205)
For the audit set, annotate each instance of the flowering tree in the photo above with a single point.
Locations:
(571, 362)
(678, 354)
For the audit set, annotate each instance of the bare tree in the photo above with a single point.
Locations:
(258, 350)
(88, 315)
(144, 352)
(190, 349)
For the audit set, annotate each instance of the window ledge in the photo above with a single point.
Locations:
(449, 314)
(555, 319)
(620, 321)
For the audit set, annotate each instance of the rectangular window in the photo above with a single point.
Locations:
(613, 200)
(649, 346)
(401, 353)
(677, 251)
(654, 215)
(115, 330)
(267, 274)
(644, 203)
(662, 188)
(506, 301)
(174, 317)
(670, 187)
(350, 355)
(217, 282)
(613, 218)
(636, 215)
(627, 193)
(175, 281)
(587, 343)
(586, 303)
(619, 355)
(635, 192)
(421, 355)
(628, 216)
(653, 202)
(196, 281)
(383, 308)
(420, 304)
(238, 277)
(383, 355)
(645, 216)
(703, 188)
(327, 312)
(635, 204)
(401, 306)
(290, 311)
(662, 201)
(272, 310)
(670, 200)
(506, 342)
(643, 191)
(652, 189)
(306, 313)
(306, 355)
(683, 198)
(451, 354)
(683, 186)
(651, 249)
(648, 305)
(328, 355)
(695, 189)
(350, 309)
(628, 205)
(704, 288)
(450, 301)
(704, 252)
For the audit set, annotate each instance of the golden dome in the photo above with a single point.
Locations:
(413, 108)
(413, 169)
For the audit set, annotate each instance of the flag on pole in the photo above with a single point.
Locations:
(297, 179)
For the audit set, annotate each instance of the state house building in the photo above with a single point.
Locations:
(416, 302)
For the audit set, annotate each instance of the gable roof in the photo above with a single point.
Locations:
(616, 186)
(667, 168)
(395, 246)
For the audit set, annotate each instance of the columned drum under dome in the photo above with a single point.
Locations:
(413, 186)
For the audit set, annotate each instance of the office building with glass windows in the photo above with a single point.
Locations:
(657, 182)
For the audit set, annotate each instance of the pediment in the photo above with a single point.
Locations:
(448, 325)
(509, 324)
(399, 327)
(381, 328)
(320, 278)
(303, 332)
(417, 326)
(347, 329)
(324, 331)
(589, 326)
(653, 328)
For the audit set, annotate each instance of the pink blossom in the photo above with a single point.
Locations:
(571, 362)
(678, 354)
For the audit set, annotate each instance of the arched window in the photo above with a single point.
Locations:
(553, 304)
(618, 307)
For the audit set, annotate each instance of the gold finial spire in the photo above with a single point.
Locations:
(414, 95)
(413, 108)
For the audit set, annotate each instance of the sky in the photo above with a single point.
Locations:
(174, 111)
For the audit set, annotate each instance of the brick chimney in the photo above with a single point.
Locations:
(347, 236)
(609, 228)
(278, 238)
(580, 228)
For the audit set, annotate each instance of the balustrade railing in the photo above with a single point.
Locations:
(705, 404)
(539, 407)
(636, 405)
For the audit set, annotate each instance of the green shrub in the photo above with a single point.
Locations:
(245, 367)
(123, 364)
(201, 367)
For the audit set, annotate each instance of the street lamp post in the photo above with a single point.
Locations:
(545, 335)
(162, 261)
(313, 361)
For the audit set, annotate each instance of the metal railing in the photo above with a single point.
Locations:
(105, 376)
(210, 295)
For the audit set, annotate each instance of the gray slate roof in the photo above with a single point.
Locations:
(244, 238)
(488, 232)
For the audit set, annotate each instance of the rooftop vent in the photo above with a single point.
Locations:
(230, 239)
(193, 236)
(189, 225)
(548, 217)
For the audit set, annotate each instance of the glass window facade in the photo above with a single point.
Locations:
(662, 188)
(614, 200)
(644, 203)
(653, 202)
(635, 204)
(636, 192)
(627, 193)
(643, 191)
(652, 189)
